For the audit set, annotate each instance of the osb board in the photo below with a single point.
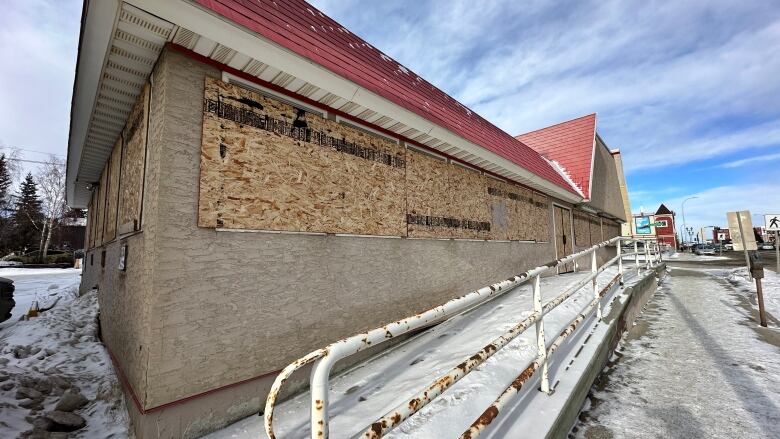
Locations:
(467, 203)
(132, 166)
(541, 217)
(427, 194)
(255, 176)
(581, 229)
(595, 229)
(610, 229)
(112, 194)
(516, 204)
(100, 208)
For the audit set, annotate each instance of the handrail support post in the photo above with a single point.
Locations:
(594, 271)
(620, 259)
(541, 343)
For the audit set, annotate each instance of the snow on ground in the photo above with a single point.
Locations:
(41, 284)
(695, 365)
(56, 360)
(686, 256)
(368, 391)
(738, 277)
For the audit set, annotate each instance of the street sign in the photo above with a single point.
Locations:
(739, 222)
(772, 221)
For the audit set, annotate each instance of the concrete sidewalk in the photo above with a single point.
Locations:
(695, 365)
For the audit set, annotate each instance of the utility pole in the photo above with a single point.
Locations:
(685, 225)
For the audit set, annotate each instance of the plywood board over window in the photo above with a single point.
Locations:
(100, 208)
(260, 169)
(132, 165)
(594, 224)
(581, 229)
(541, 218)
(112, 191)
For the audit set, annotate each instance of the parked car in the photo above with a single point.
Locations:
(766, 246)
(704, 249)
(7, 302)
(728, 246)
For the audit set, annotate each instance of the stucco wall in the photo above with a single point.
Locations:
(229, 306)
(125, 297)
(605, 192)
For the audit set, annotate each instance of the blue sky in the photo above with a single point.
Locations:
(689, 91)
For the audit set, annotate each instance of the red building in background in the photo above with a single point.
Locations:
(665, 227)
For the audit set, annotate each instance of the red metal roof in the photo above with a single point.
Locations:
(570, 144)
(301, 28)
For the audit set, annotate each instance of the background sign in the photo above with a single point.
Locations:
(772, 221)
(643, 226)
(748, 242)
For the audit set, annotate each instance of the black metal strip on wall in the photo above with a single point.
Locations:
(453, 223)
(282, 127)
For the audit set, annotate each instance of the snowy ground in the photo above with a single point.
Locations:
(695, 365)
(41, 284)
(55, 361)
(738, 277)
(687, 256)
(368, 391)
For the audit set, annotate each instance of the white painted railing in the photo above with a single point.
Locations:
(325, 358)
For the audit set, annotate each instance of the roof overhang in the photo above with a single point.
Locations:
(227, 43)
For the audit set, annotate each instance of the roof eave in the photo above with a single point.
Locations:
(224, 31)
(97, 25)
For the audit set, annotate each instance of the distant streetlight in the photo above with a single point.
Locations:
(685, 225)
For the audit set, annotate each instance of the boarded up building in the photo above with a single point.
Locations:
(261, 182)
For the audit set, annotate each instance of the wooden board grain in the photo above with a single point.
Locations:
(100, 209)
(133, 158)
(594, 223)
(581, 229)
(257, 172)
(112, 194)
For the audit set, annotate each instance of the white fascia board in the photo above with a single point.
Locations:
(98, 29)
(229, 34)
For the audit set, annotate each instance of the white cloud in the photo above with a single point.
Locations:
(673, 83)
(757, 159)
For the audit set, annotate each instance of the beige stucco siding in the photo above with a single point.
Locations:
(605, 190)
(229, 306)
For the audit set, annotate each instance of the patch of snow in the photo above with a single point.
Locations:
(738, 277)
(42, 284)
(566, 176)
(385, 57)
(54, 353)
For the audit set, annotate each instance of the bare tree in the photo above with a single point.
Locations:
(51, 182)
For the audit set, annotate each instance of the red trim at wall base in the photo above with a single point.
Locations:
(137, 402)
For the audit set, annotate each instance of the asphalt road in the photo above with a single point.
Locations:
(735, 259)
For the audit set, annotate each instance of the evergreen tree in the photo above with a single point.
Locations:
(5, 184)
(28, 215)
(5, 195)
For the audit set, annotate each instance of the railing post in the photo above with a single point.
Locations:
(636, 256)
(648, 263)
(320, 376)
(594, 270)
(620, 259)
(541, 344)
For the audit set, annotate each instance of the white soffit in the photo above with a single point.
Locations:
(129, 50)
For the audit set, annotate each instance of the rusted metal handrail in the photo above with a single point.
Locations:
(324, 358)
(487, 417)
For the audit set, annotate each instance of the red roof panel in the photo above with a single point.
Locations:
(570, 144)
(301, 28)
